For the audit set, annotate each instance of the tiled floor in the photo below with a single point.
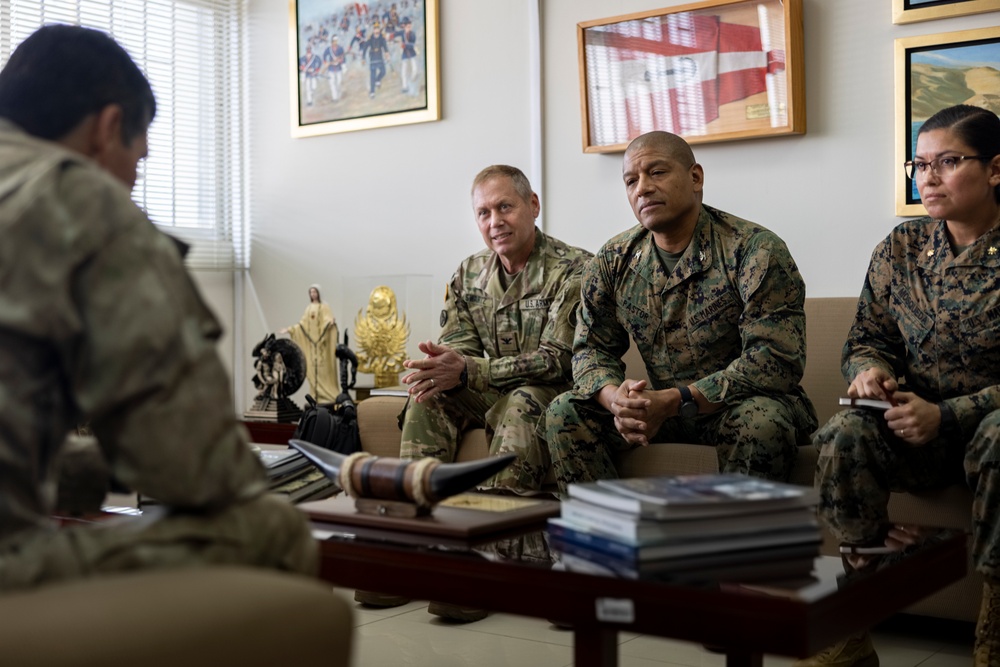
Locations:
(409, 636)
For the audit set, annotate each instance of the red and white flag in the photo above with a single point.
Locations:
(672, 73)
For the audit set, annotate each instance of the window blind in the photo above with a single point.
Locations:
(194, 182)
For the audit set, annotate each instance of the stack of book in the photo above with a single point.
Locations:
(701, 527)
(291, 474)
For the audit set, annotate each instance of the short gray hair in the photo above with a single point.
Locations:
(516, 176)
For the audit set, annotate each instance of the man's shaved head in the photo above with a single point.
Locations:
(669, 144)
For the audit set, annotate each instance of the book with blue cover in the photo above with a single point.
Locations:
(589, 521)
(697, 495)
(565, 533)
(771, 562)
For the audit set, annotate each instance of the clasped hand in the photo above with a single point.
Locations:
(639, 412)
(912, 419)
(439, 371)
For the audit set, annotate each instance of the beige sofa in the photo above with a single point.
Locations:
(827, 323)
(201, 616)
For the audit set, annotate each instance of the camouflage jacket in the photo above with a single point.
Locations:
(932, 318)
(100, 321)
(729, 320)
(523, 335)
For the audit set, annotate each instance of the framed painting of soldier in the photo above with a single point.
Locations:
(934, 72)
(358, 65)
(716, 70)
(911, 11)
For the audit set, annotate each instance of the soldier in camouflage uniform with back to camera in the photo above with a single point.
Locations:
(715, 306)
(929, 312)
(100, 322)
(505, 345)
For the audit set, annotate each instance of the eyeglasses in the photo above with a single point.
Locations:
(942, 166)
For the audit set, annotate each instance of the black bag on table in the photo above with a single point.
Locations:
(333, 426)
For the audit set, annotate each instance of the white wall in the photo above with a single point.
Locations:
(337, 209)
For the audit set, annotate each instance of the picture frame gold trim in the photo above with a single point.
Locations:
(383, 110)
(903, 14)
(615, 54)
(931, 98)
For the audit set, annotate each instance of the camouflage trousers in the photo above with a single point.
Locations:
(861, 462)
(433, 429)
(264, 532)
(757, 437)
(528, 548)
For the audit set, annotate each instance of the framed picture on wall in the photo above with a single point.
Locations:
(362, 65)
(911, 11)
(716, 70)
(934, 72)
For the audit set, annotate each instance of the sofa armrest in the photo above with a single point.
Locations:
(378, 424)
(166, 618)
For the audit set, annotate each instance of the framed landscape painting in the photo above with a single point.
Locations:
(934, 72)
(716, 70)
(911, 11)
(359, 65)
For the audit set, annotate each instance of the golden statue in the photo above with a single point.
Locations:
(381, 337)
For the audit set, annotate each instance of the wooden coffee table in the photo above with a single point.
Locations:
(742, 620)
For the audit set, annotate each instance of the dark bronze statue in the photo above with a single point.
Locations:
(347, 357)
(279, 371)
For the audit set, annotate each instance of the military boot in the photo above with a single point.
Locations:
(379, 600)
(987, 648)
(455, 613)
(855, 651)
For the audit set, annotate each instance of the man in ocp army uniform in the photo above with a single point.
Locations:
(506, 337)
(503, 354)
(714, 304)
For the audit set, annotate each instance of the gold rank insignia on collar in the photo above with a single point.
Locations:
(992, 250)
(930, 253)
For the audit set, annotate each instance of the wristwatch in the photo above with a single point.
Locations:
(688, 409)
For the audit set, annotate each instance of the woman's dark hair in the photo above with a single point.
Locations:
(977, 128)
(62, 73)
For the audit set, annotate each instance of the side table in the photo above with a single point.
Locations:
(272, 433)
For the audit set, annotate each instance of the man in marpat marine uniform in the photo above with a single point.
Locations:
(714, 304)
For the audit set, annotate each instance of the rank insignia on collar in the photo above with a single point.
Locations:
(637, 256)
(701, 257)
(992, 250)
(930, 253)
